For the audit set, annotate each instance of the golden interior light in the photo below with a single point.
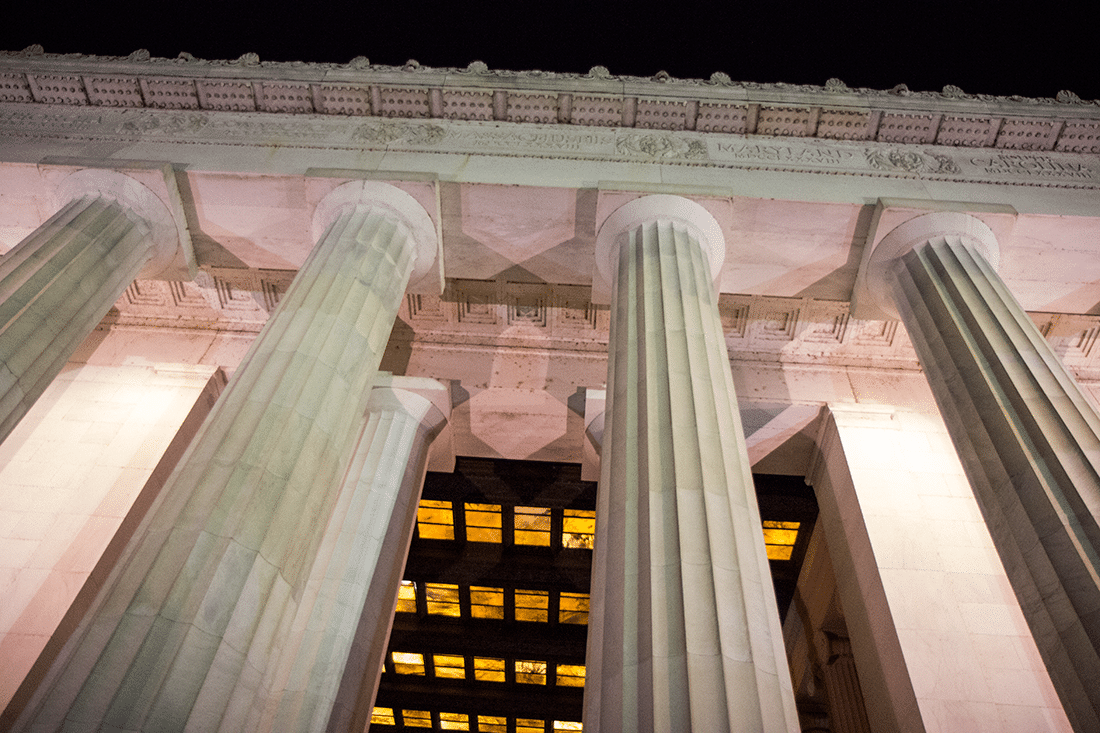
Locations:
(486, 602)
(579, 529)
(417, 718)
(573, 608)
(532, 605)
(780, 538)
(454, 721)
(449, 666)
(530, 672)
(529, 725)
(406, 597)
(442, 599)
(570, 675)
(532, 526)
(408, 663)
(483, 523)
(435, 520)
(382, 716)
(488, 669)
(492, 724)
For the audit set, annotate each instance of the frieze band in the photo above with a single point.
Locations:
(515, 140)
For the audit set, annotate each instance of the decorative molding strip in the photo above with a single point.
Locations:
(715, 150)
(596, 99)
(538, 315)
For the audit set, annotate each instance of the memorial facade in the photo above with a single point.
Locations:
(246, 306)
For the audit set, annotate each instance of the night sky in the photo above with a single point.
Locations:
(982, 47)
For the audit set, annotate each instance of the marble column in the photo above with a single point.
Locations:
(355, 577)
(846, 710)
(60, 281)
(684, 632)
(1028, 437)
(204, 598)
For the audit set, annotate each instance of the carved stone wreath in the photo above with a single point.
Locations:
(660, 146)
(384, 133)
(910, 161)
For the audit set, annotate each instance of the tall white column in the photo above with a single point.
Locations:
(204, 597)
(1027, 436)
(684, 632)
(60, 281)
(355, 577)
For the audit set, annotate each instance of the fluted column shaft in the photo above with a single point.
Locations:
(1030, 443)
(55, 286)
(684, 632)
(355, 579)
(846, 710)
(205, 594)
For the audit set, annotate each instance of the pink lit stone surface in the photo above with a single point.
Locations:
(517, 193)
(71, 473)
(939, 639)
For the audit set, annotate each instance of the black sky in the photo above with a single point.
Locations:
(982, 47)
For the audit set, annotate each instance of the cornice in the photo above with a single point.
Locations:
(597, 99)
(494, 314)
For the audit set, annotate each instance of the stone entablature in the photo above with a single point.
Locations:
(597, 99)
(321, 134)
(499, 314)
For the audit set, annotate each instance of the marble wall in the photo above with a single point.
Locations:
(938, 636)
(81, 466)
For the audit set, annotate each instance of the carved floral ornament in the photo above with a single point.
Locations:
(1031, 168)
(910, 161)
(384, 133)
(659, 146)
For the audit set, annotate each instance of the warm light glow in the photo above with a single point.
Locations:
(449, 666)
(417, 718)
(573, 608)
(454, 721)
(488, 669)
(566, 725)
(382, 716)
(579, 529)
(442, 599)
(532, 525)
(571, 675)
(532, 605)
(530, 672)
(483, 523)
(779, 552)
(492, 724)
(486, 602)
(528, 725)
(780, 538)
(408, 663)
(406, 597)
(435, 520)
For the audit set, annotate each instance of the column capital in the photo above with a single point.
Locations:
(874, 298)
(426, 400)
(595, 417)
(137, 200)
(699, 222)
(422, 232)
